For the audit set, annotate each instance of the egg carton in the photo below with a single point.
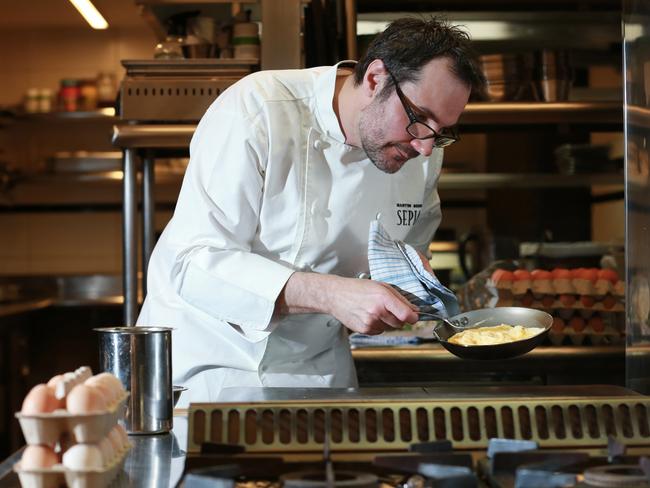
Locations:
(530, 302)
(58, 475)
(609, 335)
(48, 428)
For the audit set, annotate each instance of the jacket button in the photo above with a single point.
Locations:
(318, 144)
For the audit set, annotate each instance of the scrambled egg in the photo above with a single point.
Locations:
(497, 334)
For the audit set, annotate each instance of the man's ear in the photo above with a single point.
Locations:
(374, 78)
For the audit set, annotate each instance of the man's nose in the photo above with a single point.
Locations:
(423, 146)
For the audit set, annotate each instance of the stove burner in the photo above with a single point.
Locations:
(317, 479)
(615, 476)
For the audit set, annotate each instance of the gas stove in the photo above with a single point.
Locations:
(595, 436)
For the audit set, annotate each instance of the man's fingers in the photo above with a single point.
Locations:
(400, 297)
(401, 313)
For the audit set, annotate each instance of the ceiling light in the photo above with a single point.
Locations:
(90, 13)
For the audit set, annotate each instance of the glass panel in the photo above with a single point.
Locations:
(636, 45)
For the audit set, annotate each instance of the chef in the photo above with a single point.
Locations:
(258, 269)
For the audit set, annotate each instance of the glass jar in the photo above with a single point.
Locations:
(106, 93)
(69, 95)
(88, 92)
(45, 100)
(31, 101)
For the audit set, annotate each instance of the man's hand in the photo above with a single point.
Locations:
(365, 306)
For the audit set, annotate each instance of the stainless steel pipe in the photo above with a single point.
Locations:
(129, 242)
(141, 358)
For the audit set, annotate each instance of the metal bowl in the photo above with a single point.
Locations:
(487, 317)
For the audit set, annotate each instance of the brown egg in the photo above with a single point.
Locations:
(123, 435)
(116, 441)
(108, 453)
(112, 380)
(103, 387)
(38, 457)
(85, 399)
(54, 380)
(40, 399)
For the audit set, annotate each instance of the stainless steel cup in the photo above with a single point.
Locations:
(141, 358)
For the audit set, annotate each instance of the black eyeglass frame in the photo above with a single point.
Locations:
(440, 140)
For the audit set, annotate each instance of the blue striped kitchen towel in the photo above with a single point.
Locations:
(399, 264)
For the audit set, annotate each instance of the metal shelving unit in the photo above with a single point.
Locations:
(534, 113)
(281, 21)
(484, 181)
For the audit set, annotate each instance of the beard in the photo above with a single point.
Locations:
(388, 157)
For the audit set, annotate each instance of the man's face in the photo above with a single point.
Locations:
(437, 98)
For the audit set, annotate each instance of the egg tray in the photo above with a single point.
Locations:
(610, 336)
(59, 475)
(48, 428)
(530, 302)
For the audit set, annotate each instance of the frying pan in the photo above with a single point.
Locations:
(487, 317)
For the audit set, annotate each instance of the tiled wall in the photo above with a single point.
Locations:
(60, 242)
(41, 58)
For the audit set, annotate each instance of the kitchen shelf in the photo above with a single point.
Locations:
(638, 116)
(154, 136)
(492, 5)
(103, 113)
(179, 135)
(505, 113)
(191, 2)
(448, 181)
(483, 181)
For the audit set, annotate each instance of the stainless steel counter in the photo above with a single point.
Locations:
(16, 308)
(21, 294)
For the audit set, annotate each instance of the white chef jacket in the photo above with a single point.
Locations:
(272, 188)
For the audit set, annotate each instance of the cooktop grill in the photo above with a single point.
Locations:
(302, 426)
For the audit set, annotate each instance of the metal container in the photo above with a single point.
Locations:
(141, 358)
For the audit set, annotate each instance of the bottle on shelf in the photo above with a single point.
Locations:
(106, 89)
(31, 101)
(69, 95)
(45, 100)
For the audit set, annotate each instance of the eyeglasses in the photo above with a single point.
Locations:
(419, 129)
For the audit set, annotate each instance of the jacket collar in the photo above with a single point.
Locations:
(325, 114)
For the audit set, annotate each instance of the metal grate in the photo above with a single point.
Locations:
(394, 425)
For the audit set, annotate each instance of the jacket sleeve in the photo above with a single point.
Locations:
(421, 234)
(216, 219)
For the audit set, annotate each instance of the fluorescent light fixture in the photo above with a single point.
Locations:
(90, 13)
(481, 30)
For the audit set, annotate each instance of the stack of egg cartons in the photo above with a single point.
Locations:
(585, 302)
(72, 431)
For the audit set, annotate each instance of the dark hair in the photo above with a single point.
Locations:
(408, 44)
